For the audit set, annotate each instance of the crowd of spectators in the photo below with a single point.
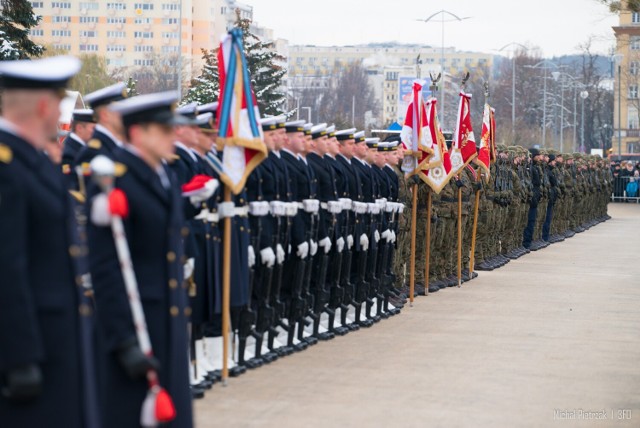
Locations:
(626, 179)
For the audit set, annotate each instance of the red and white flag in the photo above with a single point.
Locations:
(463, 148)
(415, 135)
(487, 150)
(438, 171)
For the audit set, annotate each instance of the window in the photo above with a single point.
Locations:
(169, 49)
(633, 91)
(143, 34)
(61, 33)
(143, 62)
(88, 19)
(169, 21)
(117, 6)
(635, 18)
(65, 48)
(117, 20)
(143, 20)
(36, 33)
(89, 6)
(88, 33)
(61, 19)
(143, 6)
(166, 35)
(633, 147)
(633, 67)
(116, 48)
(115, 62)
(143, 48)
(61, 4)
(37, 4)
(119, 34)
(88, 48)
(167, 6)
(635, 43)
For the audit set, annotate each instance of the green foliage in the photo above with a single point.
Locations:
(92, 76)
(16, 19)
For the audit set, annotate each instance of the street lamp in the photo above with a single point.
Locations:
(513, 82)
(452, 17)
(546, 64)
(557, 75)
(583, 95)
(618, 59)
(308, 113)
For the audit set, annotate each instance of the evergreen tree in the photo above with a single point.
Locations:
(205, 88)
(131, 87)
(265, 68)
(16, 19)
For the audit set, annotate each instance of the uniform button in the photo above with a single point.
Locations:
(173, 283)
(208, 236)
(241, 200)
(174, 311)
(187, 311)
(184, 231)
(79, 281)
(241, 228)
(84, 310)
(259, 198)
(88, 293)
(74, 251)
(171, 256)
(183, 259)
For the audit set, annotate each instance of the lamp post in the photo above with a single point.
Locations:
(452, 17)
(557, 75)
(513, 82)
(583, 95)
(545, 65)
(308, 113)
(617, 59)
(179, 72)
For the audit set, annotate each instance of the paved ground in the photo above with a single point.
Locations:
(555, 331)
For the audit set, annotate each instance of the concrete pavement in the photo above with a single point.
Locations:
(551, 339)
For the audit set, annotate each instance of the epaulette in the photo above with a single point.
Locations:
(78, 196)
(66, 169)
(120, 169)
(94, 144)
(6, 154)
(173, 158)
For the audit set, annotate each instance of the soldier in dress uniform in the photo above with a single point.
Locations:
(536, 181)
(82, 125)
(153, 227)
(108, 133)
(47, 377)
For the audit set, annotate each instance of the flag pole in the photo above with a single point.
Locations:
(427, 244)
(226, 283)
(472, 256)
(459, 236)
(412, 266)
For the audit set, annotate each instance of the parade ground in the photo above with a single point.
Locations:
(551, 339)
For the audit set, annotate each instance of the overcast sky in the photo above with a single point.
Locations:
(557, 27)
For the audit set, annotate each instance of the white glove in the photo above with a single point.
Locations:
(340, 244)
(268, 257)
(225, 209)
(100, 214)
(207, 191)
(303, 250)
(350, 241)
(364, 242)
(188, 267)
(314, 248)
(393, 236)
(386, 235)
(326, 244)
(252, 256)
(376, 235)
(280, 254)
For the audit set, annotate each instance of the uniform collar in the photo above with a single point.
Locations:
(345, 158)
(75, 137)
(108, 133)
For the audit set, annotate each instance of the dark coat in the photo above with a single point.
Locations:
(153, 228)
(39, 303)
(99, 144)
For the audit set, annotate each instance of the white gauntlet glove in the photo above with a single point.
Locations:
(303, 250)
(350, 241)
(252, 256)
(314, 248)
(364, 242)
(386, 235)
(340, 244)
(279, 254)
(188, 267)
(376, 236)
(326, 244)
(268, 257)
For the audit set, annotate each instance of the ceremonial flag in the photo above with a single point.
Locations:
(240, 137)
(487, 150)
(463, 148)
(439, 166)
(415, 135)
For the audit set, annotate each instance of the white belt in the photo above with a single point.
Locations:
(291, 209)
(381, 203)
(346, 203)
(258, 208)
(400, 208)
(373, 208)
(391, 207)
(310, 206)
(334, 207)
(359, 207)
(278, 208)
(227, 209)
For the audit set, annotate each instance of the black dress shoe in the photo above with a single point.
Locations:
(237, 371)
(310, 340)
(327, 335)
(204, 385)
(353, 326)
(341, 331)
(254, 363)
(196, 393)
(365, 323)
(301, 346)
(269, 357)
(433, 288)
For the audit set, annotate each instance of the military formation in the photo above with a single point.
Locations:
(112, 252)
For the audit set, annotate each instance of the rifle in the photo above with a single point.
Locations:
(371, 277)
(348, 287)
(305, 292)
